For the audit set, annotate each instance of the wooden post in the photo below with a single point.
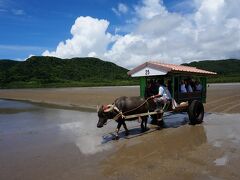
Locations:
(203, 81)
(142, 86)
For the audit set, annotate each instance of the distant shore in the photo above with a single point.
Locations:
(220, 97)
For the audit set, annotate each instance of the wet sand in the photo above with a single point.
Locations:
(42, 142)
(220, 98)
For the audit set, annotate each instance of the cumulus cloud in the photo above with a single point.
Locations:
(211, 31)
(150, 8)
(89, 38)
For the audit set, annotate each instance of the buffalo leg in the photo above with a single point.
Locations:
(144, 126)
(160, 121)
(117, 130)
(145, 121)
(126, 129)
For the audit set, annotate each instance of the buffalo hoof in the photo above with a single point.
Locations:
(126, 133)
(115, 138)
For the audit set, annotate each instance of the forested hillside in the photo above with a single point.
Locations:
(228, 70)
(56, 72)
(41, 71)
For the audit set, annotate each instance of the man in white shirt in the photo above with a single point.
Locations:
(165, 95)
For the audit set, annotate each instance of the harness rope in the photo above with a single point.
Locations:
(122, 113)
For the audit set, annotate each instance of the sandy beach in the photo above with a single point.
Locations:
(45, 142)
(223, 98)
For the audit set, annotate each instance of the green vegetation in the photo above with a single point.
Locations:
(41, 71)
(228, 70)
(55, 72)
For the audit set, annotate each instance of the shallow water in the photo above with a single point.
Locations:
(38, 142)
(48, 124)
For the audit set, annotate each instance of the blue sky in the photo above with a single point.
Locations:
(126, 32)
(32, 26)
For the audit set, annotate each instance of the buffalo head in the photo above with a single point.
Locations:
(104, 113)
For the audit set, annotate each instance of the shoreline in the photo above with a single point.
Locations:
(54, 105)
(220, 97)
(110, 86)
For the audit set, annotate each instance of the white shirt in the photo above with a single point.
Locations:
(164, 92)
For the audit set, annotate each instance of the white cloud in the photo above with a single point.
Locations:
(89, 38)
(212, 31)
(150, 8)
(121, 9)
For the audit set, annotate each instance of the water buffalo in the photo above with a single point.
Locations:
(127, 106)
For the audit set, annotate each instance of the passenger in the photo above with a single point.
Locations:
(183, 87)
(192, 84)
(198, 86)
(189, 87)
(165, 95)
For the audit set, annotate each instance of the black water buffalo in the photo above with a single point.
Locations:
(127, 106)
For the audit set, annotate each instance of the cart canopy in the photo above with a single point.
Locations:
(152, 68)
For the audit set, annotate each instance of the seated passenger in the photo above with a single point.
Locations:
(189, 87)
(198, 86)
(183, 87)
(193, 85)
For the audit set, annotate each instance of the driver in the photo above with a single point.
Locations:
(165, 96)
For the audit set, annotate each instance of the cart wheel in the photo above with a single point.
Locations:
(196, 112)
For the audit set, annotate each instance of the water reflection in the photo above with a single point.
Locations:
(47, 124)
(80, 127)
(59, 141)
(85, 135)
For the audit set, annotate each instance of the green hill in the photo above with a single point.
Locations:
(41, 71)
(228, 70)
